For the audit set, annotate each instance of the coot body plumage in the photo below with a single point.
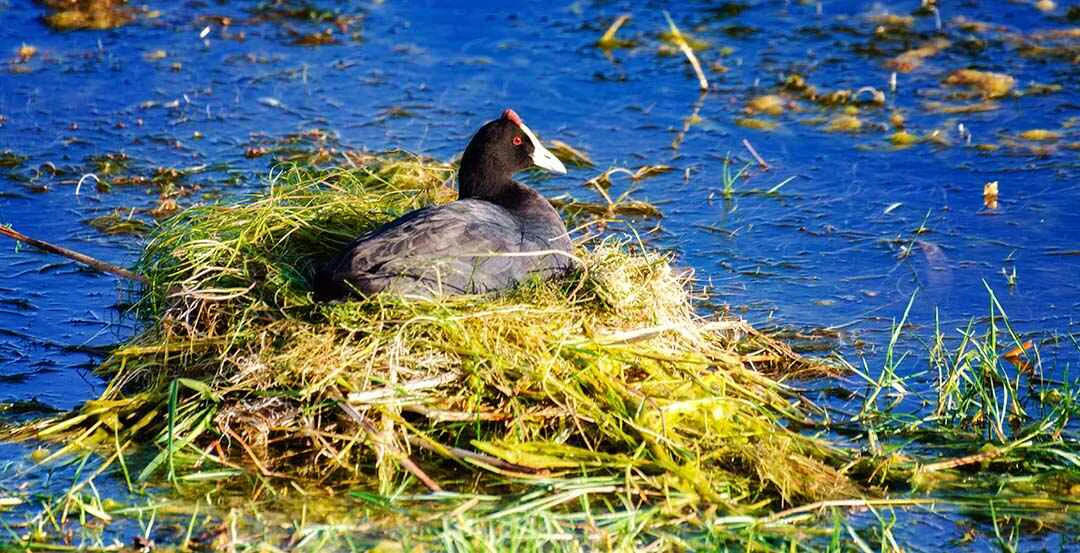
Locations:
(498, 233)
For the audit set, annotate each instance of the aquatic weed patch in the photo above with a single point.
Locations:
(605, 385)
(88, 14)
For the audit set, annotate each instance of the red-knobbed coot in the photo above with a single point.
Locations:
(498, 233)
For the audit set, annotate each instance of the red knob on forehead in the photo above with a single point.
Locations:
(509, 115)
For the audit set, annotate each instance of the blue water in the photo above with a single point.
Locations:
(824, 252)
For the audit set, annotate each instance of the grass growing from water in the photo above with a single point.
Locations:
(981, 431)
(599, 407)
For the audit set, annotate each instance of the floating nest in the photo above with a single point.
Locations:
(609, 372)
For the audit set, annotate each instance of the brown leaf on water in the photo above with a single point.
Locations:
(990, 195)
(1014, 356)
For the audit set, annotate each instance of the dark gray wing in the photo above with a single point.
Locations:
(465, 246)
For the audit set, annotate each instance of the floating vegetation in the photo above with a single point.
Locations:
(770, 104)
(756, 124)
(1045, 6)
(1061, 44)
(25, 52)
(632, 208)
(321, 38)
(603, 180)
(1037, 89)
(903, 138)
(674, 37)
(120, 221)
(609, 374)
(844, 123)
(991, 85)
(107, 164)
(1058, 34)
(912, 59)
(129, 180)
(286, 12)
(990, 195)
(1040, 135)
(978, 107)
(893, 20)
(10, 160)
(569, 154)
(392, 112)
(87, 14)
(866, 95)
(298, 11)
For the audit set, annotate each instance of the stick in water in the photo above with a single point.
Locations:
(680, 41)
(96, 264)
(754, 153)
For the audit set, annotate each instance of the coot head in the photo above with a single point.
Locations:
(498, 150)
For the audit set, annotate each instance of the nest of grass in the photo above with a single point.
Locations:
(608, 372)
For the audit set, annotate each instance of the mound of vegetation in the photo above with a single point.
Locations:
(607, 373)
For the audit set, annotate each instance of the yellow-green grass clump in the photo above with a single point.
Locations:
(87, 14)
(607, 372)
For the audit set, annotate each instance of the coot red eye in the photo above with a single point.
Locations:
(517, 141)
